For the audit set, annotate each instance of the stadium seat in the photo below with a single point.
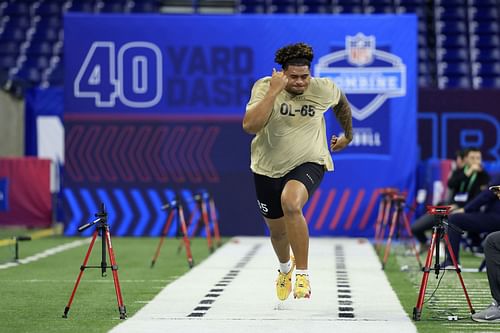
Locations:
(445, 82)
(483, 3)
(450, 13)
(144, 6)
(86, 6)
(486, 69)
(39, 47)
(483, 28)
(451, 27)
(112, 7)
(485, 55)
(451, 55)
(453, 68)
(19, 8)
(451, 41)
(22, 22)
(46, 34)
(9, 48)
(7, 61)
(417, 10)
(382, 9)
(315, 7)
(486, 82)
(485, 41)
(449, 3)
(348, 9)
(29, 74)
(483, 14)
(51, 22)
(253, 6)
(13, 33)
(282, 7)
(50, 7)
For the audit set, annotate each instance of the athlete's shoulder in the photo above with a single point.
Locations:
(322, 84)
(322, 81)
(263, 81)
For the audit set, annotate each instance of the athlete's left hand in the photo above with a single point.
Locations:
(337, 144)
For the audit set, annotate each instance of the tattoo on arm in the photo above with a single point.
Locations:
(344, 116)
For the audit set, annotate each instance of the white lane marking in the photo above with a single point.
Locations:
(46, 253)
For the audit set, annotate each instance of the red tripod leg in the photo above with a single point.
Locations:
(413, 244)
(213, 215)
(163, 235)
(185, 237)
(378, 221)
(114, 269)
(457, 269)
(385, 222)
(82, 268)
(188, 226)
(395, 218)
(204, 215)
(417, 310)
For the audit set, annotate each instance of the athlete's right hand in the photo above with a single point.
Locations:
(278, 81)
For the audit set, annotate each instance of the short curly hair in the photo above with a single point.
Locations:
(299, 54)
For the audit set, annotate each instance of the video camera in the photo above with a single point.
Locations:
(439, 210)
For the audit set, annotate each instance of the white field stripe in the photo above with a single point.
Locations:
(87, 280)
(46, 253)
(234, 291)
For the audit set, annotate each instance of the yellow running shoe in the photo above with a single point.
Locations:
(302, 288)
(284, 282)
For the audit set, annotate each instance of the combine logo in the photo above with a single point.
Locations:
(362, 69)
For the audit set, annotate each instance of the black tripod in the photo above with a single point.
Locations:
(439, 231)
(102, 228)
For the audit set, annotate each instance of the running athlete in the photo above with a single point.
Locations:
(289, 154)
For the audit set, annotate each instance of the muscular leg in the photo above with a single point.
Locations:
(293, 199)
(279, 238)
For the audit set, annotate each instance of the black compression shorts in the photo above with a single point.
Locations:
(269, 189)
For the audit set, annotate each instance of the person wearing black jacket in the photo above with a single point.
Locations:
(492, 257)
(463, 185)
(482, 214)
(466, 183)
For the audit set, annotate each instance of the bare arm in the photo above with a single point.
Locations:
(344, 116)
(257, 115)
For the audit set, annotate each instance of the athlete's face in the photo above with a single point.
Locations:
(299, 78)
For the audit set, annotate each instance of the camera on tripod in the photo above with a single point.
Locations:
(439, 231)
(439, 210)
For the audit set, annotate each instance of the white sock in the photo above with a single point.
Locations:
(302, 272)
(285, 267)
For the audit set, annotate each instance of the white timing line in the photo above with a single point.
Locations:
(46, 253)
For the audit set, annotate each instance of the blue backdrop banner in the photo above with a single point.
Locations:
(145, 91)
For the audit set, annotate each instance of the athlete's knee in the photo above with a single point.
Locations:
(291, 205)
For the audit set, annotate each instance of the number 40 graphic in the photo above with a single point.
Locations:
(133, 75)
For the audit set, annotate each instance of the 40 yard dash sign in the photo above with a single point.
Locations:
(108, 74)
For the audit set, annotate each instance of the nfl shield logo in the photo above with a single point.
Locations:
(360, 49)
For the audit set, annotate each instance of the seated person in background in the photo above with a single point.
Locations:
(492, 257)
(469, 183)
(482, 214)
(463, 185)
